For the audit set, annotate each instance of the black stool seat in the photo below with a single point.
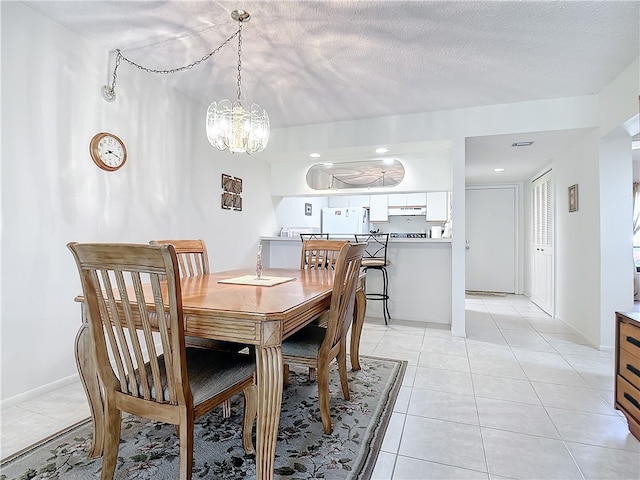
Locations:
(375, 257)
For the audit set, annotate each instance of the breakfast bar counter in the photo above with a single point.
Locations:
(419, 275)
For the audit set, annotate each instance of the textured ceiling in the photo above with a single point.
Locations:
(311, 62)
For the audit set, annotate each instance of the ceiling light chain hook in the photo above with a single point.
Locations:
(239, 58)
(109, 92)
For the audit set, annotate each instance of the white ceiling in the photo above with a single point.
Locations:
(310, 62)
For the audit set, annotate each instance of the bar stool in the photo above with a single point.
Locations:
(375, 257)
(314, 236)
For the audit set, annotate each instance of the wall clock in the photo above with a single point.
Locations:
(107, 151)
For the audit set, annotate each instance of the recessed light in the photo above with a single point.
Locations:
(498, 169)
(315, 155)
(521, 144)
(382, 150)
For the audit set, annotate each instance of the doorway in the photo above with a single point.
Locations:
(491, 239)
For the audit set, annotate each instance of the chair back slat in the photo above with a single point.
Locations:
(347, 271)
(193, 259)
(132, 294)
(106, 306)
(147, 339)
(121, 323)
(320, 253)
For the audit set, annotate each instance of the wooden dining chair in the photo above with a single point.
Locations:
(320, 253)
(315, 346)
(193, 261)
(143, 364)
(192, 256)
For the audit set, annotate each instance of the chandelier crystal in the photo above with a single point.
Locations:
(236, 125)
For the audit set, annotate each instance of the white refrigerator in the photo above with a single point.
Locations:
(345, 220)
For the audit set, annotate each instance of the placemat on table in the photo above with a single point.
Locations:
(253, 280)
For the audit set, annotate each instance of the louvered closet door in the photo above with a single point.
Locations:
(542, 287)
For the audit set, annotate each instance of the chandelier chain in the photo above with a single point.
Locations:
(120, 57)
(239, 58)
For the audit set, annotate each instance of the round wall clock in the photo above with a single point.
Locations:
(108, 151)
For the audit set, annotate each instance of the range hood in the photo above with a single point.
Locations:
(407, 211)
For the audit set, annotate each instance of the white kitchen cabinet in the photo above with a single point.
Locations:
(416, 199)
(378, 208)
(437, 206)
(407, 199)
(397, 200)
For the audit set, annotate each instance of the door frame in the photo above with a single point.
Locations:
(518, 267)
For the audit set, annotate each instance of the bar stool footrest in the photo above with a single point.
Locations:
(377, 296)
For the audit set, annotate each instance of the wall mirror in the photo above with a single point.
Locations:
(379, 173)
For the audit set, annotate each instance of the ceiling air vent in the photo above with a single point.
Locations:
(521, 144)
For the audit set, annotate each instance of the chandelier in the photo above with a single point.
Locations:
(238, 126)
(230, 125)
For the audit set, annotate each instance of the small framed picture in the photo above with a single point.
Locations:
(573, 198)
(307, 209)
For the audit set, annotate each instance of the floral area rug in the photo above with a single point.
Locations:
(149, 449)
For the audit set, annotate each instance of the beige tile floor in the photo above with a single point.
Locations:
(521, 397)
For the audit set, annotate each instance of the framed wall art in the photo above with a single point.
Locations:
(231, 190)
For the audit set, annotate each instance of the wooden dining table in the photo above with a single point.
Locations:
(248, 314)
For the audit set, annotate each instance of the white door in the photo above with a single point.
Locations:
(491, 239)
(542, 243)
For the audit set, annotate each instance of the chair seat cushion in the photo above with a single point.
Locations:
(304, 343)
(374, 262)
(210, 372)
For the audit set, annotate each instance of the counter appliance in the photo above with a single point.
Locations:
(409, 235)
(345, 220)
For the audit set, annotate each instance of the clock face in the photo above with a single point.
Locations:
(108, 151)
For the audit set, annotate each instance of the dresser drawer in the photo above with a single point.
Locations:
(628, 397)
(630, 338)
(629, 368)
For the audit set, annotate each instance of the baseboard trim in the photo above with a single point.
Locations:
(38, 391)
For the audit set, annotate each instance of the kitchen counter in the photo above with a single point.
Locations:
(350, 237)
(419, 275)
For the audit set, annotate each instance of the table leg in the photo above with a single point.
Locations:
(356, 331)
(91, 384)
(269, 380)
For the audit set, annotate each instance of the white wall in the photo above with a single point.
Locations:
(290, 212)
(52, 193)
(577, 248)
(617, 269)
